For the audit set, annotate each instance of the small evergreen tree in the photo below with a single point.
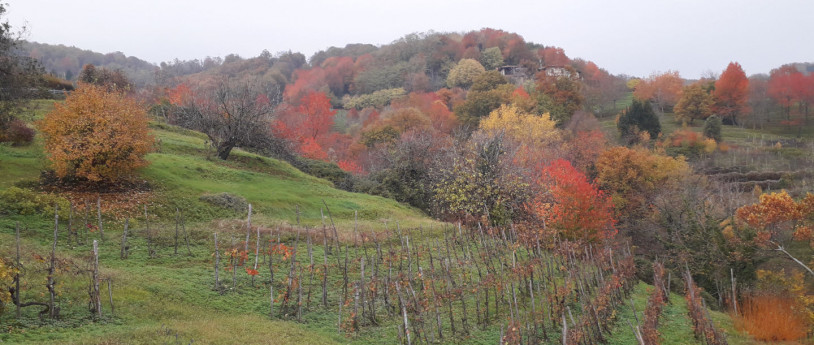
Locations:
(639, 115)
(712, 127)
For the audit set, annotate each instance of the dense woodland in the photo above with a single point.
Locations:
(544, 192)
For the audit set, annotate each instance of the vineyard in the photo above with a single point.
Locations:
(390, 284)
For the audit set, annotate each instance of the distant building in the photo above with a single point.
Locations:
(561, 71)
(515, 74)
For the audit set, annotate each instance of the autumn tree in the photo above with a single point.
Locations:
(232, 113)
(639, 116)
(488, 80)
(479, 182)
(316, 115)
(112, 80)
(534, 134)
(559, 95)
(479, 104)
(789, 87)
(664, 89)
(633, 175)
(403, 167)
(779, 219)
(695, 103)
(535, 130)
(575, 208)
(464, 73)
(782, 89)
(392, 124)
(96, 134)
(554, 56)
(600, 89)
(732, 94)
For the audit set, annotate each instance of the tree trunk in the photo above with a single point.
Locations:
(224, 149)
(99, 217)
(123, 253)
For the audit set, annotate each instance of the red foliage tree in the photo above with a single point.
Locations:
(577, 210)
(732, 93)
(317, 115)
(311, 149)
(305, 81)
(782, 87)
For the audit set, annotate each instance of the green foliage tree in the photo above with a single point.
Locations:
(489, 80)
(639, 117)
(464, 73)
(695, 103)
(559, 95)
(378, 99)
(479, 104)
(491, 58)
(712, 128)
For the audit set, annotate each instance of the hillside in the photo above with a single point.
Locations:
(67, 62)
(167, 297)
(457, 187)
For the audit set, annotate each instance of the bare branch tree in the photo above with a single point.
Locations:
(232, 114)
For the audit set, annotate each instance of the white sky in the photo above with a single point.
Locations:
(635, 37)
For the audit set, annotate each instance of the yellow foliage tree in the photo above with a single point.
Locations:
(534, 134)
(525, 128)
(633, 175)
(97, 135)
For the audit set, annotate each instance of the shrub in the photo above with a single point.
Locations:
(6, 278)
(689, 143)
(771, 317)
(20, 201)
(226, 200)
(97, 135)
(18, 134)
(712, 128)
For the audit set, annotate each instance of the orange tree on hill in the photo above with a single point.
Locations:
(96, 135)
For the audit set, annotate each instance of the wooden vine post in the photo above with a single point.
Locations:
(96, 298)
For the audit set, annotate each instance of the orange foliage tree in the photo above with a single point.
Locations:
(778, 218)
(732, 93)
(577, 210)
(664, 89)
(96, 134)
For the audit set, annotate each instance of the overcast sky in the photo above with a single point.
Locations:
(635, 37)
